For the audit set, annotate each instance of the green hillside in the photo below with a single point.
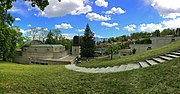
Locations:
(133, 58)
(55, 79)
(35, 79)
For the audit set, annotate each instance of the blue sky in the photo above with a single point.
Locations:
(107, 18)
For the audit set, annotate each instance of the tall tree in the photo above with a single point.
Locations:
(33, 32)
(42, 33)
(50, 39)
(88, 43)
(9, 38)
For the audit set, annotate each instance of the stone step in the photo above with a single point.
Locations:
(175, 53)
(159, 60)
(171, 55)
(132, 66)
(114, 69)
(144, 64)
(178, 51)
(151, 62)
(122, 68)
(165, 57)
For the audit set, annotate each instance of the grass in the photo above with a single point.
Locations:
(55, 79)
(132, 58)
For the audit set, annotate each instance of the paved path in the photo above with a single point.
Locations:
(143, 64)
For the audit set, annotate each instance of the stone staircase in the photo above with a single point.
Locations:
(143, 64)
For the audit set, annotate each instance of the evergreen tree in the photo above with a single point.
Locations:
(88, 43)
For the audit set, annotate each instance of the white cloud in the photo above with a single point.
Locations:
(17, 19)
(80, 30)
(172, 24)
(15, 9)
(23, 31)
(108, 24)
(72, 7)
(166, 8)
(82, 10)
(98, 36)
(63, 26)
(97, 17)
(29, 25)
(69, 36)
(101, 3)
(150, 27)
(130, 28)
(117, 28)
(115, 10)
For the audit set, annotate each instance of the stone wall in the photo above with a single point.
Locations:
(156, 43)
(21, 60)
(161, 41)
(59, 55)
(140, 47)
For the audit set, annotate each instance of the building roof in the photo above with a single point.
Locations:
(29, 43)
(46, 46)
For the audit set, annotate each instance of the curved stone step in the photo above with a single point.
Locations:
(144, 64)
(159, 60)
(127, 67)
(151, 62)
(171, 55)
(175, 53)
(132, 66)
(166, 58)
(122, 68)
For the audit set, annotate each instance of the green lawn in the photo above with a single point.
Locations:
(55, 79)
(132, 58)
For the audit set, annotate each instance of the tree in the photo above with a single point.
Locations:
(42, 33)
(167, 32)
(33, 32)
(111, 50)
(57, 35)
(177, 32)
(156, 33)
(88, 43)
(50, 39)
(9, 38)
(5, 5)
(20, 38)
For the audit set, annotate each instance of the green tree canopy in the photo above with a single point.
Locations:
(113, 49)
(88, 43)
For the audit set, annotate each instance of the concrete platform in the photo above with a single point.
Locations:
(69, 59)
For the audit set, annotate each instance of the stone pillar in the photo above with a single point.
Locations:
(76, 49)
